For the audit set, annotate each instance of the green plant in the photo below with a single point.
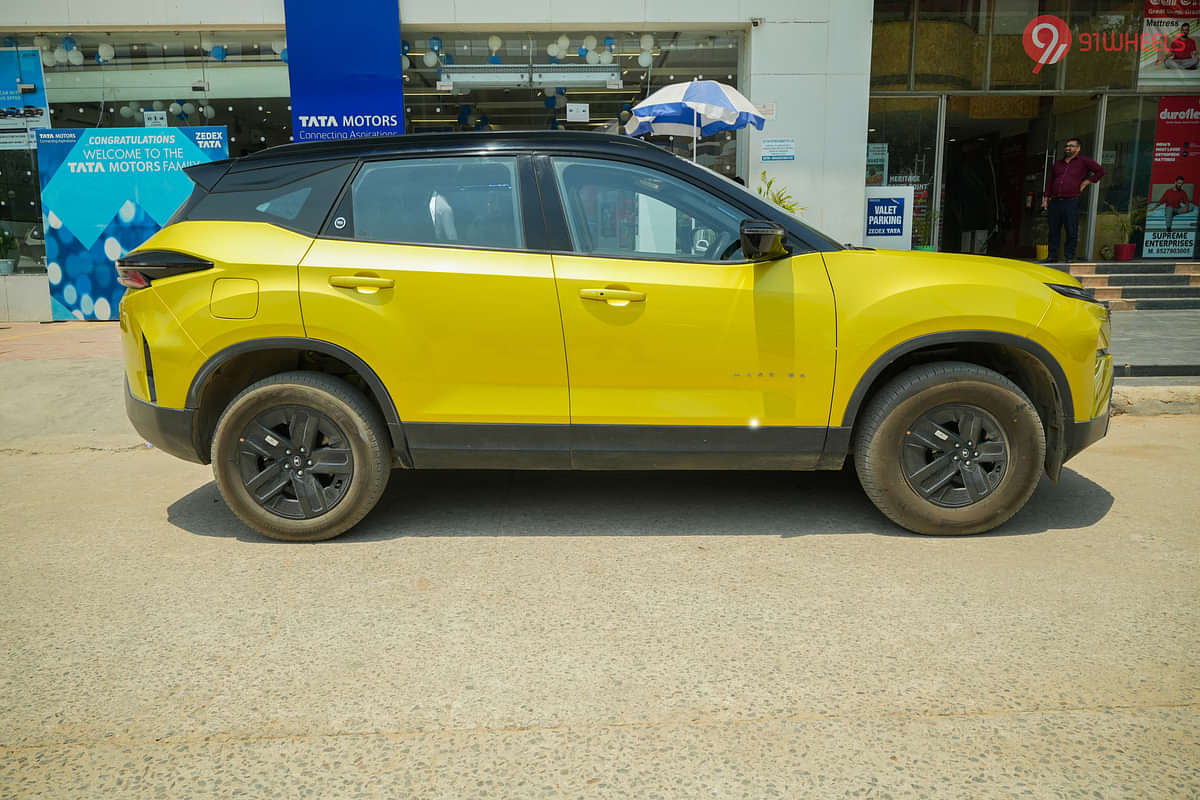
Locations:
(779, 196)
(1135, 220)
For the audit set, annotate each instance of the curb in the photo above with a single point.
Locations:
(1149, 401)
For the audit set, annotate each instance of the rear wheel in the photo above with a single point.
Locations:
(950, 448)
(301, 456)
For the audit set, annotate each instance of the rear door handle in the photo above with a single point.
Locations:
(615, 296)
(366, 284)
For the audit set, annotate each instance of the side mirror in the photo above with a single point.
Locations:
(762, 240)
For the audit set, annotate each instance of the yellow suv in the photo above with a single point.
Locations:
(316, 315)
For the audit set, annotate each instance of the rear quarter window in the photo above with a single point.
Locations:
(294, 196)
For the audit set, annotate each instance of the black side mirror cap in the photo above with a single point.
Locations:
(763, 240)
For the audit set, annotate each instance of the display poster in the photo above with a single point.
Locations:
(1174, 175)
(23, 106)
(1168, 52)
(347, 77)
(104, 192)
(889, 217)
(877, 164)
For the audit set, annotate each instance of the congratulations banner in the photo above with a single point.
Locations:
(344, 66)
(104, 192)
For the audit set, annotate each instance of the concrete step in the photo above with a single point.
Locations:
(1143, 292)
(1132, 268)
(1139, 280)
(1172, 304)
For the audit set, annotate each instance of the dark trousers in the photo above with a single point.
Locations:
(1063, 211)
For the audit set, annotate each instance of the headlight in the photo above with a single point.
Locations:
(1074, 292)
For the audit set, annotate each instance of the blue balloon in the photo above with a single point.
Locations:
(447, 58)
(554, 60)
(554, 124)
(626, 107)
(405, 46)
(582, 52)
(435, 44)
(283, 55)
(10, 41)
(493, 59)
(68, 43)
(549, 102)
(99, 60)
(560, 90)
(609, 41)
(218, 52)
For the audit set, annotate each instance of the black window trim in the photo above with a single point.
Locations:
(523, 205)
(555, 210)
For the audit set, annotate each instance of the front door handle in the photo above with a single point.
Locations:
(366, 284)
(613, 296)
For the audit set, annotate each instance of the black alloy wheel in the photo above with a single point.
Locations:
(954, 455)
(295, 462)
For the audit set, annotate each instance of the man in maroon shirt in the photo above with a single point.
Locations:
(1068, 177)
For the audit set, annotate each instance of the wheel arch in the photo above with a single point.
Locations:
(1028, 364)
(234, 368)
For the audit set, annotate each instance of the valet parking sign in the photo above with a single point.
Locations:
(889, 217)
(104, 192)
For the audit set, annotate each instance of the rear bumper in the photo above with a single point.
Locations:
(1082, 434)
(168, 429)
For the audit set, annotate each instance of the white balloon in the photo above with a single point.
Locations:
(564, 43)
(430, 58)
(593, 57)
(174, 108)
(589, 42)
(126, 112)
(405, 63)
(47, 58)
(548, 92)
(189, 108)
(647, 42)
(139, 116)
(606, 57)
(106, 51)
(158, 105)
(495, 43)
(644, 58)
(277, 46)
(206, 43)
(560, 100)
(75, 57)
(552, 50)
(41, 42)
(209, 112)
(60, 55)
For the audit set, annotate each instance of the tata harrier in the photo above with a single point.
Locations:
(316, 315)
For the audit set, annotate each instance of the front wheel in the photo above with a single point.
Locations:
(301, 456)
(950, 448)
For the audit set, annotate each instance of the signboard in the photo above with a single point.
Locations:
(155, 119)
(577, 112)
(23, 106)
(889, 217)
(1168, 52)
(877, 164)
(779, 149)
(104, 192)
(1174, 176)
(766, 109)
(347, 78)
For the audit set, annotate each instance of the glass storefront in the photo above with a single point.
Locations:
(239, 79)
(962, 67)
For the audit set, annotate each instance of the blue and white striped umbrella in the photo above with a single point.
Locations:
(694, 108)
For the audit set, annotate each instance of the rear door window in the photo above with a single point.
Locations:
(466, 202)
(296, 196)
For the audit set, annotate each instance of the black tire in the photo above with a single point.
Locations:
(912, 456)
(302, 495)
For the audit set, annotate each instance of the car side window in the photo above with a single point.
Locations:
(470, 202)
(618, 209)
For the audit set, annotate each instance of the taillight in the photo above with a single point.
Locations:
(137, 270)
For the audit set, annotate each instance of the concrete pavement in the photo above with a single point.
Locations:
(506, 634)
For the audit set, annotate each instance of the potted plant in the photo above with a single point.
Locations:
(1124, 249)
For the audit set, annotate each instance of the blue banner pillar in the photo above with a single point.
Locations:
(344, 66)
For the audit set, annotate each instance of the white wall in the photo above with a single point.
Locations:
(811, 58)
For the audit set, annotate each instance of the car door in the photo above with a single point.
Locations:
(680, 353)
(426, 271)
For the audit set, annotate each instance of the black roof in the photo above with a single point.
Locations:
(458, 141)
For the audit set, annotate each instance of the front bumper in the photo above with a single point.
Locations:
(168, 429)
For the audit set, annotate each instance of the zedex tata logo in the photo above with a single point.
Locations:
(1047, 39)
